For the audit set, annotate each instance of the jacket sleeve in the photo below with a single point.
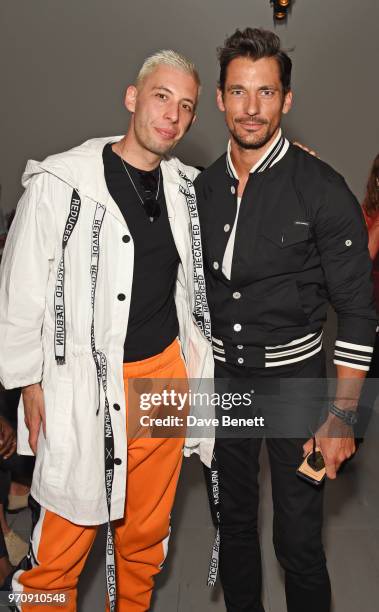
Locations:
(341, 238)
(23, 280)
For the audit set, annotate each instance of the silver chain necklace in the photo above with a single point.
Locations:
(151, 219)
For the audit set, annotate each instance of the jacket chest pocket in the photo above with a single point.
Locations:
(286, 245)
(289, 234)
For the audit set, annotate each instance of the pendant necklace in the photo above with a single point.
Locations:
(148, 200)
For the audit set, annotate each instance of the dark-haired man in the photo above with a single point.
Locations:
(283, 236)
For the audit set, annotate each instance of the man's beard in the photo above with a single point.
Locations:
(257, 144)
(160, 149)
(148, 143)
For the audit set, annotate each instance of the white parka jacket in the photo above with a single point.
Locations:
(69, 472)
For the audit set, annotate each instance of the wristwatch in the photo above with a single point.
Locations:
(349, 417)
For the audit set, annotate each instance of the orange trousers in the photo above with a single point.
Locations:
(61, 548)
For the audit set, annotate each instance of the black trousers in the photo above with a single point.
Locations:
(298, 506)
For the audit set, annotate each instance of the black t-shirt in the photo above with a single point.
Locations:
(153, 322)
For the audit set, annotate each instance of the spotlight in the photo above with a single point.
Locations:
(281, 8)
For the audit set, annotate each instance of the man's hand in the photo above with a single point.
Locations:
(307, 149)
(7, 439)
(336, 442)
(34, 409)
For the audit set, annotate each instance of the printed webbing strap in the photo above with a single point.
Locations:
(110, 568)
(203, 320)
(59, 306)
(101, 372)
(213, 565)
(201, 311)
(94, 267)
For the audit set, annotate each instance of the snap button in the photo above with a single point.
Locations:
(233, 189)
(116, 406)
(348, 243)
(237, 327)
(226, 227)
(216, 265)
(126, 238)
(121, 297)
(117, 461)
(240, 347)
(236, 295)
(240, 360)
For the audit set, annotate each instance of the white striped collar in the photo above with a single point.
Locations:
(274, 153)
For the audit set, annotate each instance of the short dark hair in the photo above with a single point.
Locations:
(255, 43)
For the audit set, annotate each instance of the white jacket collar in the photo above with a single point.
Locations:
(82, 168)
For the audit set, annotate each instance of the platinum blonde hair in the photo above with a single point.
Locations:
(167, 57)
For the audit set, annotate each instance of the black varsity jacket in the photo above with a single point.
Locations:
(301, 243)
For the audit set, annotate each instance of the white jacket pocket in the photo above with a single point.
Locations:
(58, 424)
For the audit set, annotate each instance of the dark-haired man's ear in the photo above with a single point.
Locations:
(131, 98)
(287, 105)
(220, 100)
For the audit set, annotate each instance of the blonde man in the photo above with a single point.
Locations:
(99, 258)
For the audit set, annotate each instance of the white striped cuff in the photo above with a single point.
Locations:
(294, 351)
(357, 356)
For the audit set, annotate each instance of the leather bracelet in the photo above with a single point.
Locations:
(349, 417)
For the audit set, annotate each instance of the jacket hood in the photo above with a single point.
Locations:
(82, 168)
